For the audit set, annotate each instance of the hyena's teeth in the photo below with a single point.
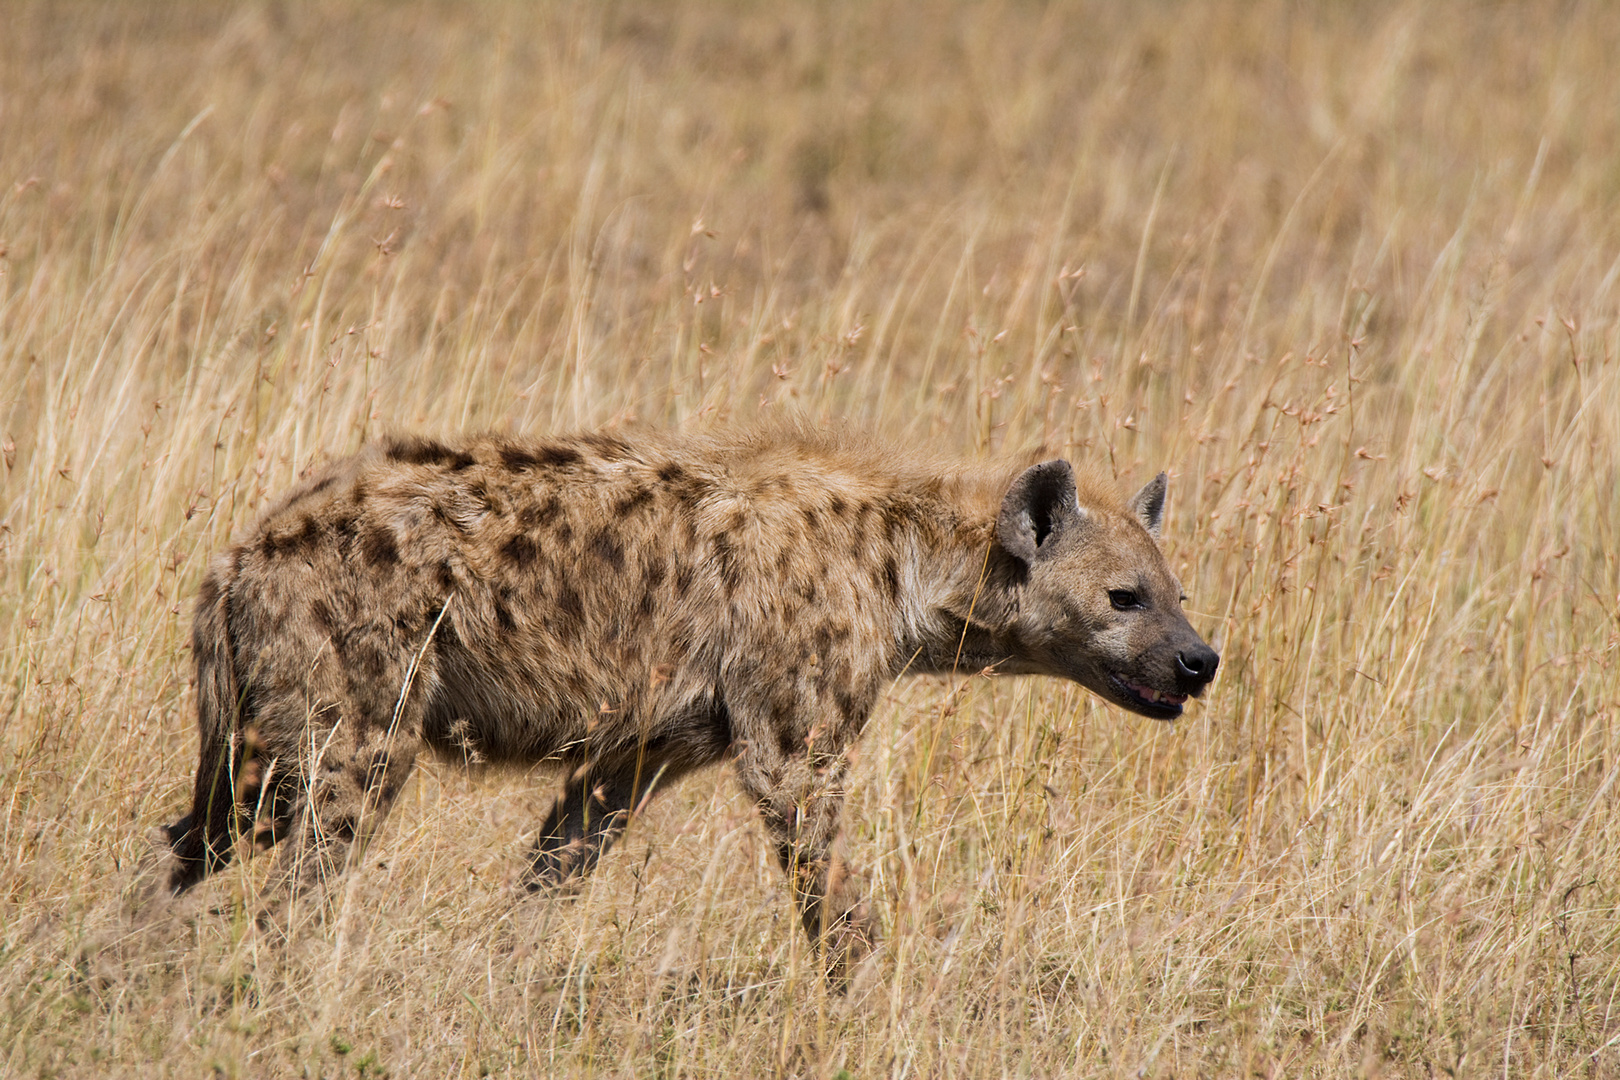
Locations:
(1152, 696)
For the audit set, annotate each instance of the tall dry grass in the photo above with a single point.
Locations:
(1350, 271)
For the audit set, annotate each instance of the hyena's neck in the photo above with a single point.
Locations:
(957, 604)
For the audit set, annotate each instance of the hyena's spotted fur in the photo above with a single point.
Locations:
(632, 608)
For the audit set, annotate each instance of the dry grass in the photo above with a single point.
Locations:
(1352, 274)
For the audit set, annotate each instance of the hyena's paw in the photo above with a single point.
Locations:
(146, 885)
(848, 944)
(558, 868)
(851, 938)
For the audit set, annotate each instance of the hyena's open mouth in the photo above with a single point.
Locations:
(1159, 704)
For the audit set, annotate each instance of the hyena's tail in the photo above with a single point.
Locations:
(203, 840)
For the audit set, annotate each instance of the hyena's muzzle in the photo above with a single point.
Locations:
(1158, 684)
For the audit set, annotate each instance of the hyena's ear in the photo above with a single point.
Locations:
(1040, 505)
(1148, 505)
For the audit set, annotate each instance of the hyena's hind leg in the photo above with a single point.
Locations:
(205, 839)
(236, 786)
(350, 776)
(353, 733)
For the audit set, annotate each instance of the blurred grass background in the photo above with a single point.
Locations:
(1348, 270)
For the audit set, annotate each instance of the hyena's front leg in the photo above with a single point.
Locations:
(800, 795)
(590, 813)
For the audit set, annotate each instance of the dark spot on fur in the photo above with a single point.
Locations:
(308, 536)
(378, 547)
(557, 456)
(848, 707)
(565, 532)
(418, 451)
(609, 446)
(891, 577)
(368, 663)
(515, 457)
(319, 486)
(683, 581)
(787, 741)
(822, 636)
(445, 635)
(653, 573)
(376, 768)
(649, 604)
(446, 576)
(324, 618)
(520, 550)
(503, 615)
(633, 501)
(812, 519)
(726, 561)
(785, 726)
(302, 542)
(534, 516)
(838, 506)
(608, 549)
(572, 610)
(894, 521)
(669, 472)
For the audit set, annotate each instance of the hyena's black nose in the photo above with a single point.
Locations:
(1197, 665)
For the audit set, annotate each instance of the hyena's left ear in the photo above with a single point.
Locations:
(1039, 506)
(1148, 504)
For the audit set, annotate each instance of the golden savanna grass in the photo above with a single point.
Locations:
(1351, 272)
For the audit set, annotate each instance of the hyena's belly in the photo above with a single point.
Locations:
(537, 709)
(511, 713)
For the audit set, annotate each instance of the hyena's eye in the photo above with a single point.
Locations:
(1123, 599)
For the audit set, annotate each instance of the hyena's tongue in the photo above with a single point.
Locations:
(1147, 693)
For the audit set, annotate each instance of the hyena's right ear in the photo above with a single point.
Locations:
(1038, 508)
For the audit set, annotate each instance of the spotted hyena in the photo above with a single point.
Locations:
(631, 608)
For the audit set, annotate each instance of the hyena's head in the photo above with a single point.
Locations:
(1095, 601)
